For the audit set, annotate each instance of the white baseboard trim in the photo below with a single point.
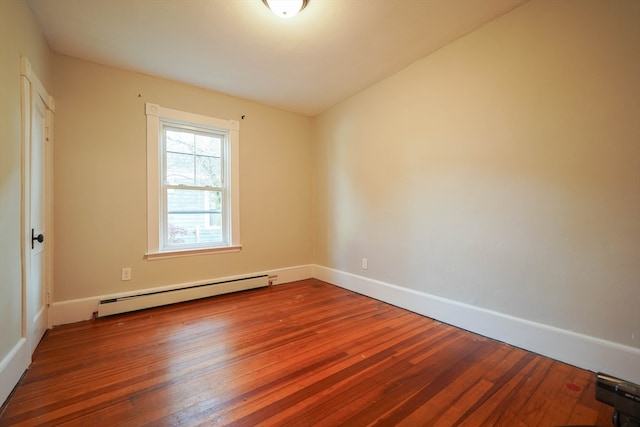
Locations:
(77, 310)
(292, 274)
(576, 349)
(12, 366)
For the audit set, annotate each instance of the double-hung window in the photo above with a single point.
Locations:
(192, 180)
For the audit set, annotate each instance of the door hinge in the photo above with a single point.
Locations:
(48, 299)
(47, 132)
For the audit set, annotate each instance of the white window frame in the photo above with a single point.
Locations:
(156, 213)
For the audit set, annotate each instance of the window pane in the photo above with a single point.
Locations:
(180, 169)
(215, 200)
(215, 221)
(186, 228)
(192, 201)
(208, 145)
(208, 171)
(194, 216)
(179, 142)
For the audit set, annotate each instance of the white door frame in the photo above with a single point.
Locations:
(31, 88)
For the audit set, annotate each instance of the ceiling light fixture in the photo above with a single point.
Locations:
(286, 8)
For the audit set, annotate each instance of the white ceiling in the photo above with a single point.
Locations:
(306, 64)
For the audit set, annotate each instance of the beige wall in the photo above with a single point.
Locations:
(19, 36)
(100, 183)
(502, 171)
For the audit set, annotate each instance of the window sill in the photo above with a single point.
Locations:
(191, 252)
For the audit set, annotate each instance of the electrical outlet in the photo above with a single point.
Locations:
(126, 274)
(365, 263)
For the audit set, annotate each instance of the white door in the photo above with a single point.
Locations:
(36, 301)
(37, 130)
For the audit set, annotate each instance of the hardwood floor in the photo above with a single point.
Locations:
(305, 353)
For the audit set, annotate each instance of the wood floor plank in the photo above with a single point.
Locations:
(452, 401)
(305, 353)
(512, 413)
(279, 376)
(356, 346)
(358, 391)
(421, 388)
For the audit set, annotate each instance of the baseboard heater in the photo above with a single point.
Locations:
(164, 297)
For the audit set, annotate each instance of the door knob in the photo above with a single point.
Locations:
(39, 238)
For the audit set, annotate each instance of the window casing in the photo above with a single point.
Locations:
(192, 180)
